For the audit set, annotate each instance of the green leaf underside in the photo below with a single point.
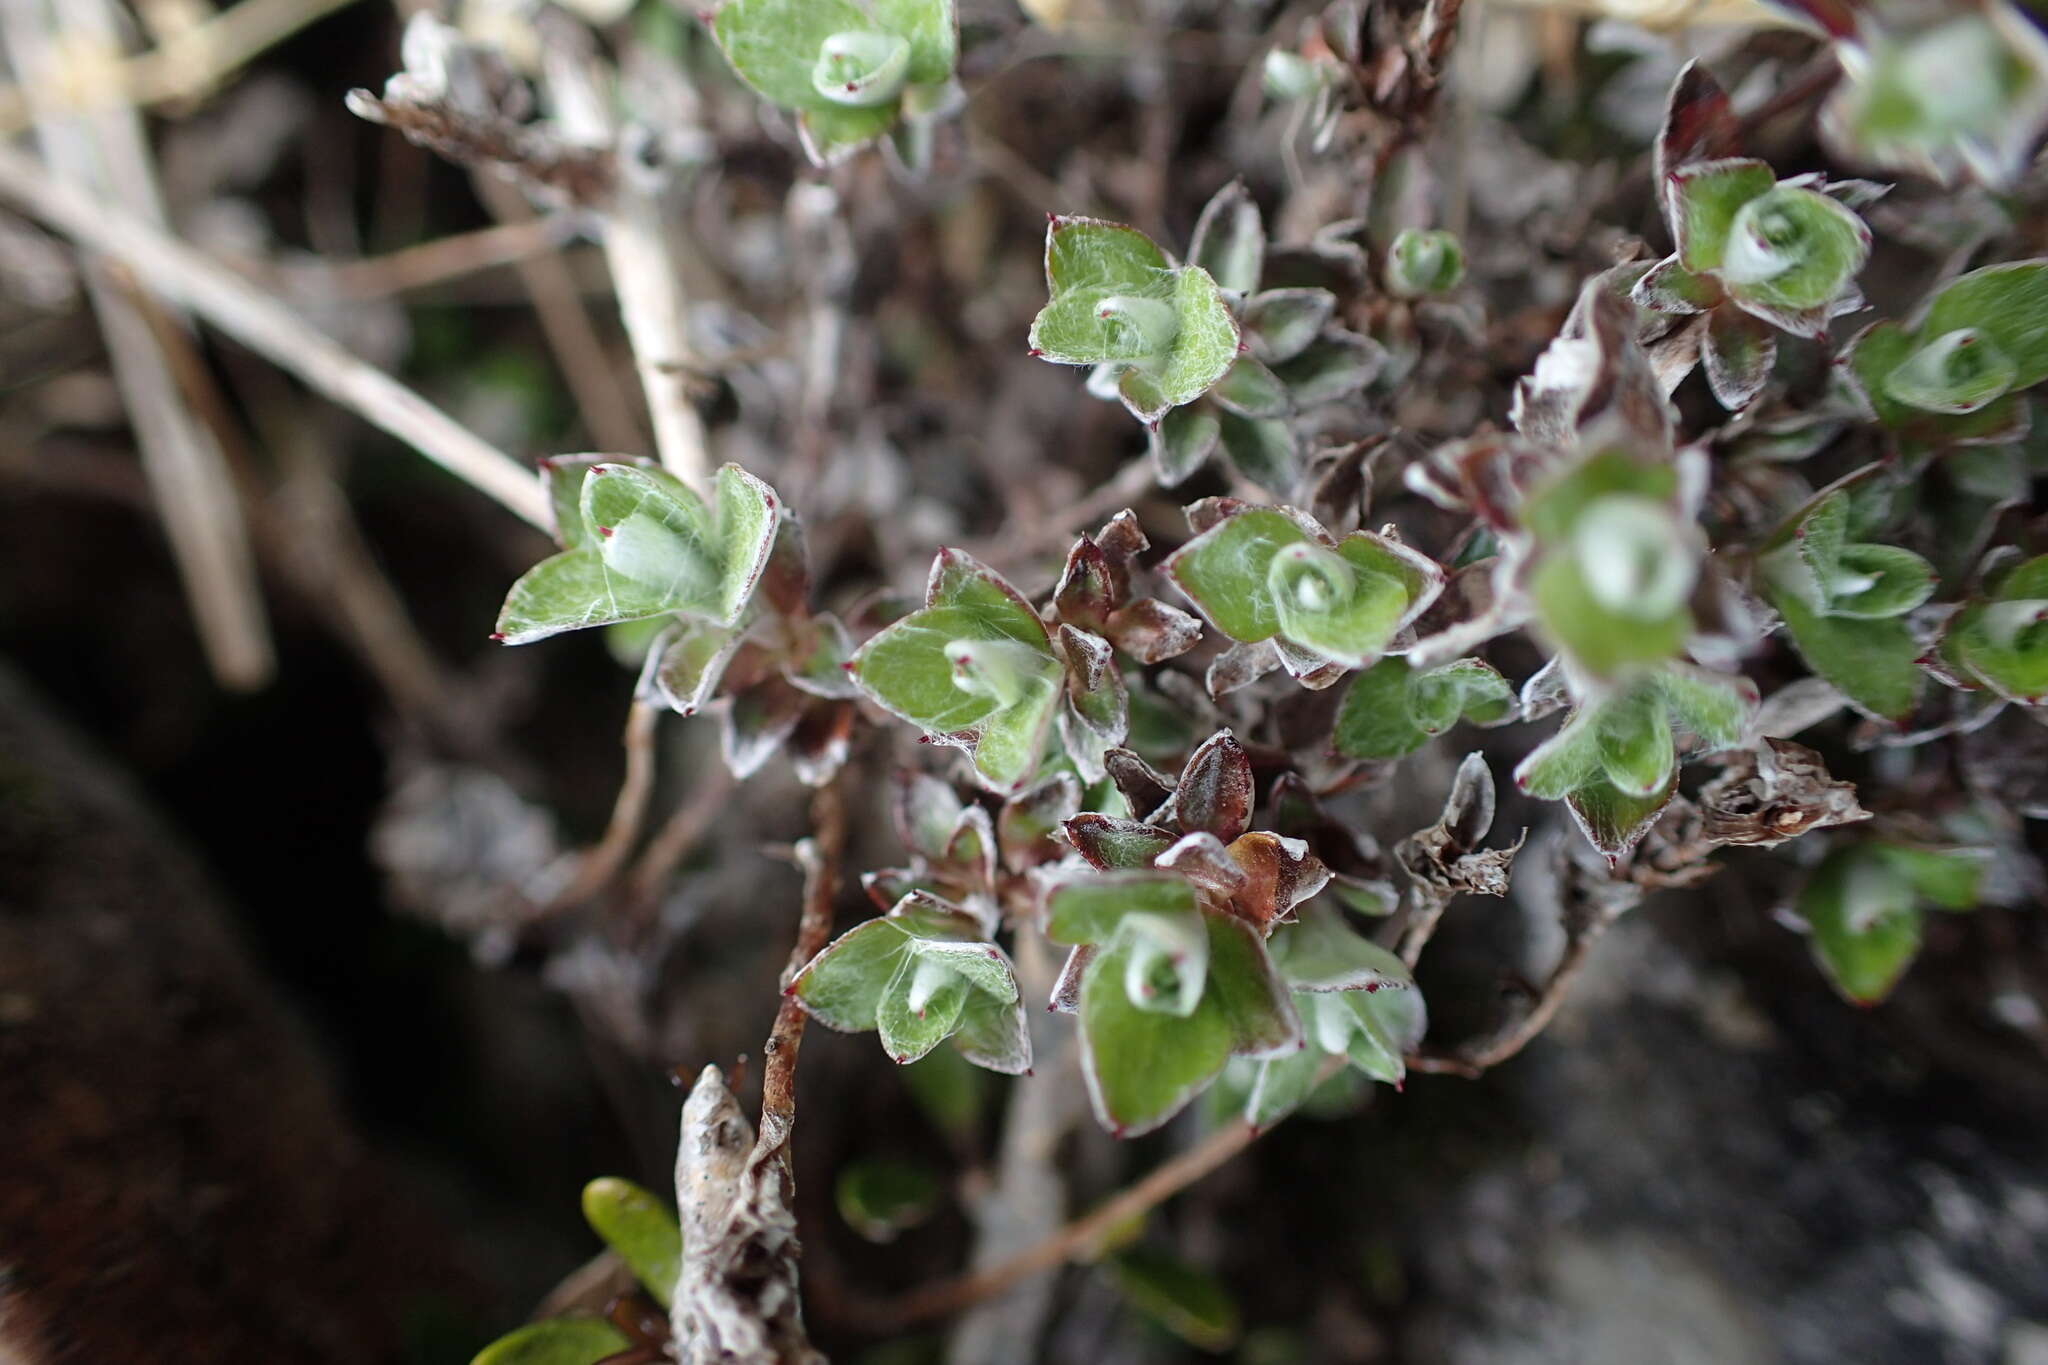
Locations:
(835, 131)
(557, 1341)
(1192, 1305)
(1614, 819)
(641, 1228)
(1865, 932)
(867, 978)
(909, 1030)
(1375, 721)
(1872, 662)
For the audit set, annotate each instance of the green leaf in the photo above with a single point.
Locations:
(1092, 257)
(1142, 1067)
(1470, 688)
(1249, 389)
(1865, 927)
(1192, 1305)
(975, 665)
(1092, 329)
(1230, 239)
(1424, 261)
(1263, 449)
(993, 1034)
(1613, 820)
(1320, 951)
(1375, 721)
(1091, 907)
(1872, 663)
(862, 69)
(693, 662)
(2003, 642)
(1374, 1030)
(1878, 352)
(2009, 304)
(1957, 372)
(1793, 249)
(920, 1007)
(1713, 706)
(1601, 640)
(1335, 366)
(1205, 346)
(1709, 194)
(570, 591)
(652, 549)
(1225, 571)
(1566, 761)
(842, 986)
(1344, 607)
(1637, 753)
(1668, 287)
(747, 523)
(1877, 581)
(1948, 878)
(881, 1198)
(773, 45)
(932, 30)
(1246, 987)
(1283, 1083)
(1280, 323)
(1182, 443)
(641, 1228)
(558, 1341)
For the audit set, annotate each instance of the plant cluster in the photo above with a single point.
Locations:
(1159, 739)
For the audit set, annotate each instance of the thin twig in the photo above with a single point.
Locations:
(1590, 909)
(306, 531)
(441, 260)
(108, 152)
(1047, 534)
(606, 403)
(678, 835)
(820, 856)
(653, 303)
(629, 812)
(187, 65)
(1424, 911)
(1074, 1241)
(259, 321)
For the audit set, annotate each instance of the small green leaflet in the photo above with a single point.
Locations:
(647, 546)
